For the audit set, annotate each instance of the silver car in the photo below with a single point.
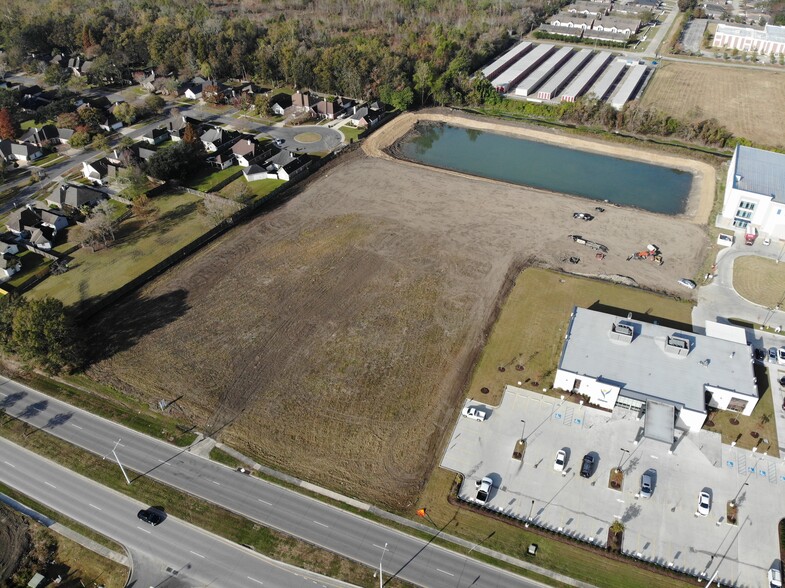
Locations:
(647, 486)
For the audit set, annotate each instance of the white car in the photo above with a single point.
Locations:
(781, 356)
(561, 460)
(775, 576)
(471, 412)
(688, 283)
(704, 504)
(483, 490)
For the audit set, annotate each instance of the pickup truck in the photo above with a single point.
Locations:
(471, 412)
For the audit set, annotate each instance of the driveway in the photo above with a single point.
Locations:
(663, 528)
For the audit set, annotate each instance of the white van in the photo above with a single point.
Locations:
(775, 576)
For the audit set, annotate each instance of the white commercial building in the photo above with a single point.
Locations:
(630, 364)
(755, 191)
(769, 40)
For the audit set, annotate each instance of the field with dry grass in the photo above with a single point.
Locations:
(333, 337)
(740, 99)
(759, 280)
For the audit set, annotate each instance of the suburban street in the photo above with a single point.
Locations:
(172, 554)
(410, 558)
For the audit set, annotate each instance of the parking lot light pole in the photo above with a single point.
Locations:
(733, 502)
(523, 430)
(623, 451)
(529, 518)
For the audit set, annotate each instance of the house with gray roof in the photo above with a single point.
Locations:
(22, 220)
(755, 192)
(102, 171)
(9, 265)
(621, 363)
(13, 151)
(75, 196)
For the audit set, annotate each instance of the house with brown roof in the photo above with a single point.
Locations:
(246, 151)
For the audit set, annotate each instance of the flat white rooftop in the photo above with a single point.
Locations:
(648, 366)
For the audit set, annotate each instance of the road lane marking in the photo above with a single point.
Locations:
(145, 530)
(216, 483)
(76, 426)
(264, 502)
(255, 580)
(50, 485)
(197, 554)
(94, 506)
(379, 547)
(9, 464)
(443, 572)
(322, 524)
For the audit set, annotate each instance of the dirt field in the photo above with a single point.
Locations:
(14, 542)
(695, 92)
(333, 337)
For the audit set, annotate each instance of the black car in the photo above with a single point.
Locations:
(582, 216)
(151, 515)
(760, 354)
(587, 467)
(782, 381)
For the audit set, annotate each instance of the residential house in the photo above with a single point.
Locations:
(303, 100)
(46, 135)
(200, 88)
(588, 8)
(648, 4)
(566, 19)
(368, 116)
(254, 173)
(222, 160)
(110, 123)
(176, 126)
(246, 151)
(156, 136)
(280, 102)
(616, 24)
(328, 109)
(147, 81)
(213, 138)
(101, 171)
(563, 31)
(75, 196)
(42, 237)
(9, 265)
(283, 166)
(606, 36)
(54, 219)
(80, 67)
(10, 247)
(22, 220)
(13, 151)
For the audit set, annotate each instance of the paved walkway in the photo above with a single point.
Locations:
(718, 301)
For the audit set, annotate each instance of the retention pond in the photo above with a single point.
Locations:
(549, 167)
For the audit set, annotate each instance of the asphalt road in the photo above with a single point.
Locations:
(172, 554)
(412, 559)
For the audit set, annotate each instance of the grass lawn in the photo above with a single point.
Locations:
(542, 301)
(48, 160)
(760, 280)
(33, 265)
(351, 133)
(87, 565)
(246, 192)
(757, 430)
(209, 177)
(530, 330)
(137, 248)
(191, 509)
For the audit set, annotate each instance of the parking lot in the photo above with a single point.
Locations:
(662, 528)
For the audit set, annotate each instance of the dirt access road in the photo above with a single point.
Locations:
(332, 338)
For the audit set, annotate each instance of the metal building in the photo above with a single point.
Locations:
(628, 86)
(523, 67)
(556, 82)
(529, 85)
(504, 61)
(603, 86)
(586, 77)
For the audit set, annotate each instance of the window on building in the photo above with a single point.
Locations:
(747, 204)
(741, 224)
(737, 405)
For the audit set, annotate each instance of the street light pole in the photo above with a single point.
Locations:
(122, 469)
(523, 429)
(623, 451)
(381, 583)
(529, 518)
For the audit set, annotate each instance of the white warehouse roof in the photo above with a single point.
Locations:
(659, 362)
(760, 171)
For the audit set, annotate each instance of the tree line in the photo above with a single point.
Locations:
(403, 51)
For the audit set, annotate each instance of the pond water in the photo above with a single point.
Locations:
(542, 165)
